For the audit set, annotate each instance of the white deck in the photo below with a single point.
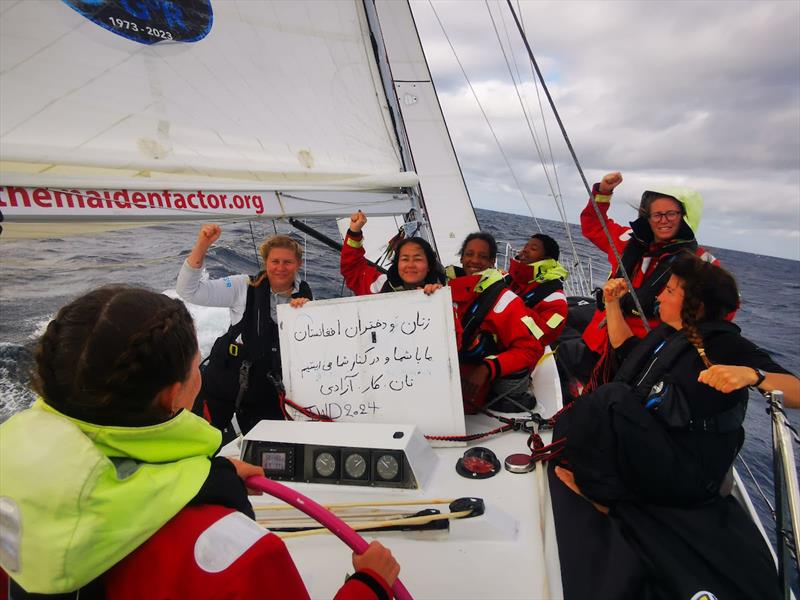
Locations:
(508, 553)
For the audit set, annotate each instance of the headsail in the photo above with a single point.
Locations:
(280, 100)
(448, 215)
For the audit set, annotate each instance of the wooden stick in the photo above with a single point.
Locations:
(372, 514)
(359, 504)
(376, 524)
(299, 521)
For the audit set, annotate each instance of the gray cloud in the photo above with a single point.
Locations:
(703, 94)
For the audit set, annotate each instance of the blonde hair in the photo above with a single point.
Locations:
(272, 242)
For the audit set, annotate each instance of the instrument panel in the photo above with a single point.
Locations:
(346, 465)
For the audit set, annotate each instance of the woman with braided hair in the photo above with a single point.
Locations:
(110, 486)
(696, 368)
(653, 448)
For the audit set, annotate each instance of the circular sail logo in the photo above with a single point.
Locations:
(149, 21)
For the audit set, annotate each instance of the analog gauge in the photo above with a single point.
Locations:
(387, 467)
(325, 464)
(355, 466)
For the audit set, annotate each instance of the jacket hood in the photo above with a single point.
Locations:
(548, 269)
(79, 497)
(468, 287)
(691, 200)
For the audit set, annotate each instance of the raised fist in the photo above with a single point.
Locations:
(609, 182)
(357, 221)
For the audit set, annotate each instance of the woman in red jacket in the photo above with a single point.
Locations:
(496, 337)
(537, 277)
(665, 226)
(414, 265)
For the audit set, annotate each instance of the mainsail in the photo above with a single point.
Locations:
(279, 110)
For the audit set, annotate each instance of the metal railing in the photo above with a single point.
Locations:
(787, 494)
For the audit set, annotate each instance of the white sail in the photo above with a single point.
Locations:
(270, 100)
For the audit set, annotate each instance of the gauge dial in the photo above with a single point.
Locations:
(355, 466)
(387, 467)
(325, 464)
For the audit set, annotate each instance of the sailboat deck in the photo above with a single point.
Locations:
(508, 552)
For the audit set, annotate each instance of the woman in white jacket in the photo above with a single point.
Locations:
(244, 370)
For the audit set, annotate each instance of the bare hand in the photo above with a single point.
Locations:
(297, 302)
(245, 470)
(609, 182)
(357, 221)
(208, 234)
(431, 287)
(614, 289)
(378, 558)
(726, 378)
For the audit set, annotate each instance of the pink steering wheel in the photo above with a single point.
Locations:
(325, 517)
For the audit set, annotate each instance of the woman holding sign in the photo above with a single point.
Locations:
(414, 265)
(244, 370)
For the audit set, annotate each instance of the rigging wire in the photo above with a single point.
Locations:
(599, 214)
(485, 117)
(253, 238)
(556, 190)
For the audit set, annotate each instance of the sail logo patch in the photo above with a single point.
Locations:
(149, 21)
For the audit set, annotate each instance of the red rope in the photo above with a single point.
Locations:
(471, 437)
(283, 401)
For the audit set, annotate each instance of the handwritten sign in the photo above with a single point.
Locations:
(387, 358)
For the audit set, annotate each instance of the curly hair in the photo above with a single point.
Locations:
(709, 294)
(106, 355)
(272, 242)
(481, 235)
(551, 249)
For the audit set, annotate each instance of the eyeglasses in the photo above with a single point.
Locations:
(670, 215)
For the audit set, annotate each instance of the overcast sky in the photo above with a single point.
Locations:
(700, 94)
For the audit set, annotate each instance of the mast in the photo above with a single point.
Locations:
(422, 133)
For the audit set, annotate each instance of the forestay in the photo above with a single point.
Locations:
(387, 358)
(274, 97)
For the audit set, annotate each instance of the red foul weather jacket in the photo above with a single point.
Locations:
(646, 262)
(210, 552)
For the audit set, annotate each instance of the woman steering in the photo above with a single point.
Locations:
(110, 486)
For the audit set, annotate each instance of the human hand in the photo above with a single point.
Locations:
(245, 470)
(207, 235)
(297, 302)
(609, 182)
(378, 558)
(727, 378)
(357, 221)
(431, 287)
(614, 289)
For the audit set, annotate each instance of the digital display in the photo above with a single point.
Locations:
(273, 461)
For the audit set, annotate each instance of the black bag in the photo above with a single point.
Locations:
(243, 377)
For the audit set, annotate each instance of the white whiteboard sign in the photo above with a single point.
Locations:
(386, 358)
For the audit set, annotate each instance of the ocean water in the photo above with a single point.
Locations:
(37, 277)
